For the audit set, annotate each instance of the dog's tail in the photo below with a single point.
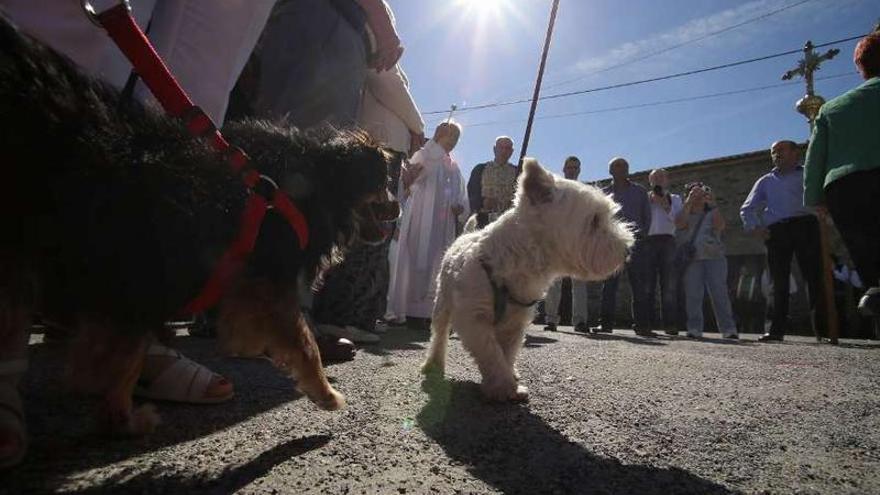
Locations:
(441, 325)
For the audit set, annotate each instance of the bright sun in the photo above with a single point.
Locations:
(483, 7)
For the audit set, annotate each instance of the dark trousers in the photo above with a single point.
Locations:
(659, 254)
(796, 236)
(635, 271)
(854, 204)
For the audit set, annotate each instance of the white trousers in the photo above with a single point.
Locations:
(578, 302)
(205, 43)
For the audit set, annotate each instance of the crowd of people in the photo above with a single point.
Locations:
(314, 63)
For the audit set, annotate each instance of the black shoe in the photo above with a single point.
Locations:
(582, 328)
(732, 336)
(670, 332)
(646, 333)
(601, 329)
(550, 327)
(770, 337)
(869, 304)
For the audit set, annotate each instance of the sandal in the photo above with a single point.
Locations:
(13, 436)
(183, 380)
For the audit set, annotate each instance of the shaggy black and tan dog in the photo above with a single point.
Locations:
(113, 217)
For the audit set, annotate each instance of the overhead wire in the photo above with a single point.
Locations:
(644, 81)
(661, 102)
(684, 43)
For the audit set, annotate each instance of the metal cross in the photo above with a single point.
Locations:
(809, 105)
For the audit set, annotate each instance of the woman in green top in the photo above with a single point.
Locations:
(842, 169)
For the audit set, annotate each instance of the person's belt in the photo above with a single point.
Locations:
(789, 220)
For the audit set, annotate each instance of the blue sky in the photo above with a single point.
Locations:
(470, 52)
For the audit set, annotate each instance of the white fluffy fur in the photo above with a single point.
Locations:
(557, 227)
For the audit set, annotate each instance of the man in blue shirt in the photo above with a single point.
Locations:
(635, 208)
(775, 212)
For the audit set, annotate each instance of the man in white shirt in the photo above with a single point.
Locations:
(660, 251)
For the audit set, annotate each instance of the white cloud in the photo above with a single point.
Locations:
(704, 26)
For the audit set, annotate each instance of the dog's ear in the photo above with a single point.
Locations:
(536, 183)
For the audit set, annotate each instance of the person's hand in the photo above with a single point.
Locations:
(388, 47)
(762, 233)
(490, 204)
(410, 173)
(457, 210)
(822, 212)
(416, 141)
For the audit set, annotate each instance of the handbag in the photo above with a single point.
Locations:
(686, 253)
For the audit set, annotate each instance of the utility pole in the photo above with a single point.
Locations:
(525, 143)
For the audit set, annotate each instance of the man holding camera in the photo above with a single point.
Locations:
(660, 251)
(775, 212)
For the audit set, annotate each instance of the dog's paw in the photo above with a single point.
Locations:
(332, 402)
(121, 422)
(432, 369)
(520, 395)
(144, 420)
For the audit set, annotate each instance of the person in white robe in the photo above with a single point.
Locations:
(435, 204)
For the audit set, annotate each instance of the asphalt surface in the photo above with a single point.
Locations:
(609, 414)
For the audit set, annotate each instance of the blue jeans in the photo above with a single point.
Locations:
(635, 272)
(578, 301)
(659, 253)
(711, 276)
(313, 64)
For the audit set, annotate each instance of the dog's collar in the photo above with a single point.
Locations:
(501, 295)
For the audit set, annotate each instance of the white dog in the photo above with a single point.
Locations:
(489, 280)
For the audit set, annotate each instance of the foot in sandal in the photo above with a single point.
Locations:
(170, 376)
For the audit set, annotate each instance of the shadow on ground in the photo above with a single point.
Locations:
(626, 338)
(515, 451)
(230, 480)
(399, 339)
(65, 439)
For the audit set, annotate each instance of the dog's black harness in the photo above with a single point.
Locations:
(501, 295)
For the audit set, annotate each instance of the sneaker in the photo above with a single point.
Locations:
(670, 332)
(582, 328)
(731, 336)
(694, 336)
(349, 332)
(869, 304)
(550, 327)
(601, 329)
(646, 333)
(770, 337)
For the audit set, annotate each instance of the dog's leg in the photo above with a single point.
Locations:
(435, 364)
(259, 318)
(479, 338)
(103, 361)
(510, 338)
(297, 353)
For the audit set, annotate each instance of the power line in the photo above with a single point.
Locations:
(645, 81)
(662, 102)
(684, 43)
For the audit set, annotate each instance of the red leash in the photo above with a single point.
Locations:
(122, 28)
